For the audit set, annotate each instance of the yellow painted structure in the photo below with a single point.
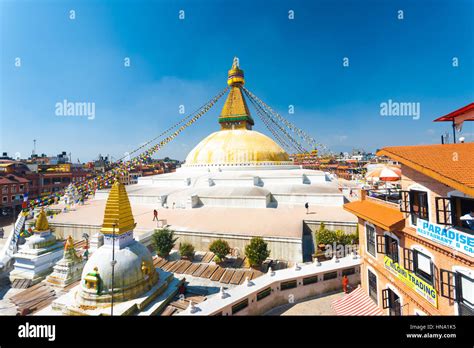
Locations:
(236, 143)
(118, 211)
(41, 224)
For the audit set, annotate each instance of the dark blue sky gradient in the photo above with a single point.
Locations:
(176, 62)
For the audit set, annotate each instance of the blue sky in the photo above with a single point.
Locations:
(184, 62)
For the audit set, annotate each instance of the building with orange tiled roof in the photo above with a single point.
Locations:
(450, 164)
(418, 255)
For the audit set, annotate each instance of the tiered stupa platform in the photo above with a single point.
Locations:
(36, 258)
(69, 268)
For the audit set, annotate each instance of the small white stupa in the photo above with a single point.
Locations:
(69, 268)
(71, 196)
(35, 259)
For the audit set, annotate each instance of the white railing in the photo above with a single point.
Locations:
(11, 244)
(271, 282)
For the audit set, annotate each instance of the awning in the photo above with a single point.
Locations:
(458, 116)
(379, 214)
(356, 303)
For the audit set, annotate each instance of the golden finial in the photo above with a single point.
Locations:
(235, 74)
(235, 63)
(41, 224)
(69, 243)
(118, 215)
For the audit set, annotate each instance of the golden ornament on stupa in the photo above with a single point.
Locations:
(118, 211)
(236, 143)
(41, 224)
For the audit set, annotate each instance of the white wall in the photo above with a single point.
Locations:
(217, 304)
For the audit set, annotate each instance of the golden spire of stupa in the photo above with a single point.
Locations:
(235, 113)
(235, 74)
(41, 224)
(118, 211)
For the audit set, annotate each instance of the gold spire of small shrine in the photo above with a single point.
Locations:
(118, 211)
(41, 224)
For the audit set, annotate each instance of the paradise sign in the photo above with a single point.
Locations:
(450, 237)
(413, 281)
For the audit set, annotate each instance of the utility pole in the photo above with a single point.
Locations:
(34, 147)
(113, 267)
(454, 132)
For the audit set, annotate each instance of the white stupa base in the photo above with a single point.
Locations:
(68, 304)
(35, 264)
(66, 272)
(264, 186)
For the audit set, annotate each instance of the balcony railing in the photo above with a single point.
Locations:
(387, 195)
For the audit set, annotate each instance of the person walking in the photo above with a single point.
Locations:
(155, 215)
(345, 283)
(306, 205)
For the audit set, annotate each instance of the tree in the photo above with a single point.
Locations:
(221, 248)
(324, 235)
(163, 241)
(186, 250)
(257, 251)
(343, 238)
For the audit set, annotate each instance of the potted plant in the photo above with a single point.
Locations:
(256, 252)
(186, 250)
(163, 241)
(220, 248)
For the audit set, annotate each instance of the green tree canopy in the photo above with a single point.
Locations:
(220, 247)
(163, 241)
(257, 251)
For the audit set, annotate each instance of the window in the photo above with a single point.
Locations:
(288, 285)
(456, 211)
(423, 266)
(370, 237)
(13, 188)
(5, 189)
(391, 301)
(458, 287)
(465, 294)
(418, 206)
(372, 285)
(264, 293)
(405, 201)
(348, 271)
(239, 306)
(21, 188)
(4, 199)
(330, 275)
(310, 280)
(391, 248)
(444, 214)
